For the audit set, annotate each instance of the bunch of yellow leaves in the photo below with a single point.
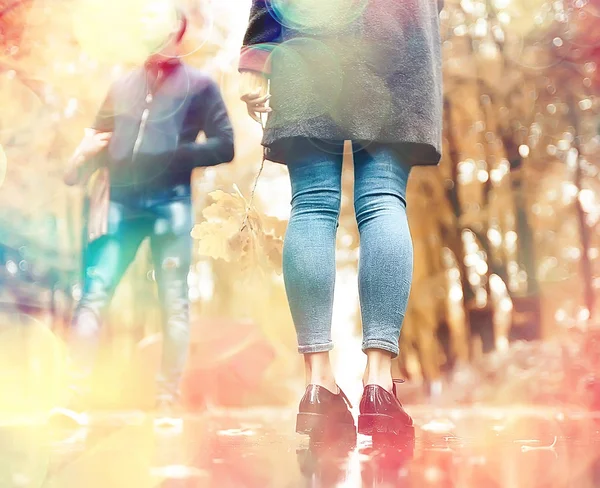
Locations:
(236, 232)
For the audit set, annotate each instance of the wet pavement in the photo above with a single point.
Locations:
(476, 447)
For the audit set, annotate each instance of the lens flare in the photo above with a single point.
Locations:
(317, 15)
(201, 34)
(365, 101)
(114, 31)
(527, 16)
(312, 73)
(158, 22)
(367, 108)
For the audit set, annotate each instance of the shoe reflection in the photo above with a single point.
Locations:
(325, 463)
(382, 461)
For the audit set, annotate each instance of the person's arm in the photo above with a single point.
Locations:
(84, 161)
(262, 34)
(218, 147)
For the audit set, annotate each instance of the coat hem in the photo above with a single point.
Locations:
(414, 153)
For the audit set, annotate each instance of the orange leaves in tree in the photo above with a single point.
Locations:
(236, 232)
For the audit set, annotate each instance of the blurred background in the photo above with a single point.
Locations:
(504, 305)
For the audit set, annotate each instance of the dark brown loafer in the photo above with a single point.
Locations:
(322, 412)
(382, 413)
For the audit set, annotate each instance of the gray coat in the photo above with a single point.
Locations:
(367, 71)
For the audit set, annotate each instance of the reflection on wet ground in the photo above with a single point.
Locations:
(475, 447)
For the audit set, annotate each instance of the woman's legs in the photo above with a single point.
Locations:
(386, 256)
(386, 260)
(309, 253)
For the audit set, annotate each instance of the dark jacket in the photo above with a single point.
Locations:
(155, 113)
(372, 72)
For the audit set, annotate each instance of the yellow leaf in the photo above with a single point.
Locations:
(273, 225)
(274, 251)
(214, 238)
(221, 196)
(225, 207)
(239, 242)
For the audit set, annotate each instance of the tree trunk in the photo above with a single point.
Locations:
(589, 298)
(527, 323)
(452, 237)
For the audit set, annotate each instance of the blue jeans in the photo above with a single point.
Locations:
(386, 253)
(167, 224)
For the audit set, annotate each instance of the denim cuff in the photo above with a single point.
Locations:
(328, 346)
(386, 346)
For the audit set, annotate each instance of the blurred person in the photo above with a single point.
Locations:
(323, 73)
(142, 149)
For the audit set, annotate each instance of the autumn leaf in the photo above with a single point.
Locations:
(273, 225)
(239, 243)
(226, 206)
(214, 238)
(235, 232)
(274, 252)
(220, 235)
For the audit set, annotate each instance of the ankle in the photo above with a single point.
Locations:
(380, 379)
(328, 383)
(383, 384)
(379, 369)
(319, 371)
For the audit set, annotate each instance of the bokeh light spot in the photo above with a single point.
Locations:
(316, 15)
(126, 32)
(308, 69)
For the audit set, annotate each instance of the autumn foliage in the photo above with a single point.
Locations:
(504, 230)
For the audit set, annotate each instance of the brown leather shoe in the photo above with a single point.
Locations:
(382, 413)
(322, 412)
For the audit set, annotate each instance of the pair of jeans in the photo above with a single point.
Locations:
(386, 252)
(167, 224)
